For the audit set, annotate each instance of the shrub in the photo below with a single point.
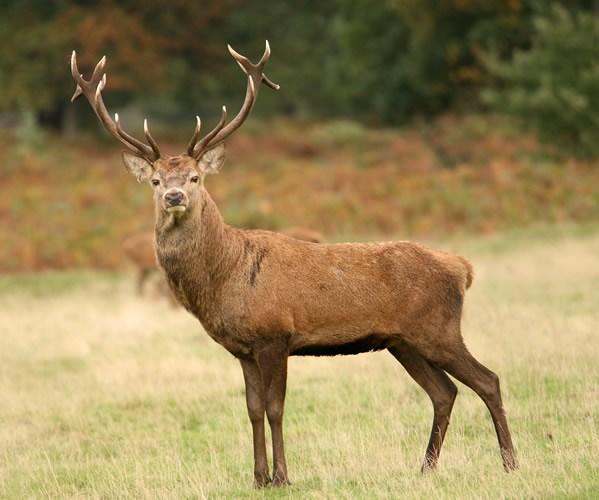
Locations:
(553, 86)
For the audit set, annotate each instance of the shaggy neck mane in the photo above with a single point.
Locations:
(198, 252)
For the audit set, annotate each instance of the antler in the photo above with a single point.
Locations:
(219, 133)
(92, 90)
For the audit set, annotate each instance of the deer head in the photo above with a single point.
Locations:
(177, 181)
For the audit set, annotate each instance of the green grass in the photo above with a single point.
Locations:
(107, 395)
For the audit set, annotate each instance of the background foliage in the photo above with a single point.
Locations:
(388, 122)
(469, 125)
(376, 61)
(553, 86)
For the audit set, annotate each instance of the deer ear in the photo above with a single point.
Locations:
(212, 160)
(137, 166)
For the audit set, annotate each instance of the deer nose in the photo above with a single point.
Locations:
(174, 197)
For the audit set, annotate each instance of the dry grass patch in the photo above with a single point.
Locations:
(108, 396)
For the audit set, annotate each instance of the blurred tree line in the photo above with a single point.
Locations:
(376, 61)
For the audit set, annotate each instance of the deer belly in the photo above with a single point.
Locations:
(340, 346)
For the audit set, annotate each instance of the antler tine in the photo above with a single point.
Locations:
(99, 69)
(77, 93)
(92, 89)
(269, 83)
(266, 56)
(255, 76)
(255, 69)
(194, 138)
(113, 127)
(74, 69)
(200, 147)
(243, 62)
(76, 76)
(133, 143)
(151, 140)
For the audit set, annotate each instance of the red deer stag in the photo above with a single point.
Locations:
(264, 296)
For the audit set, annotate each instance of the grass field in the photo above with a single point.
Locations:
(106, 395)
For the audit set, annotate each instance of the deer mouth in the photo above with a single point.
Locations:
(177, 209)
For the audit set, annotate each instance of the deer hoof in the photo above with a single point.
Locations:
(279, 482)
(261, 480)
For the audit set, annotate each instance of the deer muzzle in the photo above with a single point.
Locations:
(175, 200)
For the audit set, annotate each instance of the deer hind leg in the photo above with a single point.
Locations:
(440, 389)
(464, 367)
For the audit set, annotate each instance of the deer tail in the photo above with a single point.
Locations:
(469, 271)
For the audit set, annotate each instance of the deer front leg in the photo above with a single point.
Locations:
(255, 399)
(272, 361)
(144, 274)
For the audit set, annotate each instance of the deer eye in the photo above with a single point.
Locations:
(195, 178)
(155, 182)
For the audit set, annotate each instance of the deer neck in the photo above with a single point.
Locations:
(197, 252)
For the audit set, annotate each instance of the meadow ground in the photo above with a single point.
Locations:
(106, 395)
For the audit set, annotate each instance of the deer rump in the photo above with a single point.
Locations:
(344, 298)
